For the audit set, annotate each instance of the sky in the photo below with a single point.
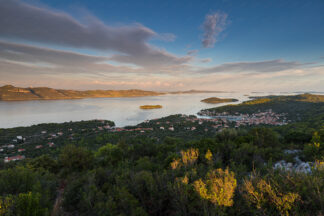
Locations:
(224, 45)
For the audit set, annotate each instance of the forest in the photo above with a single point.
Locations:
(231, 171)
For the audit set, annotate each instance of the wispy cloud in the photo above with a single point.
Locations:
(257, 66)
(192, 52)
(169, 37)
(206, 60)
(35, 59)
(33, 54)
(213, 25)
(24, 21)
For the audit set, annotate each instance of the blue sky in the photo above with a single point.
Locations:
(257, 29)
(253, 40)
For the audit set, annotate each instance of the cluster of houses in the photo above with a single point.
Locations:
(142, 130)
(20, 144)
(16, 149)
(14, 158)
(267, 117)
(20, 150)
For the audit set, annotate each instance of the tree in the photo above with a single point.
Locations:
(44, 162)
(209, 156)
(266, 198)
(75, 159)
(189, 156)
(218, 187)
(264, 137)
(28, 204)
(6, 205)
(109, 154)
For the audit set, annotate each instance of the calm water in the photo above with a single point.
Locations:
(123, 111)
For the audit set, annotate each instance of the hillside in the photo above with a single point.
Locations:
(12, 93)
(297, 107)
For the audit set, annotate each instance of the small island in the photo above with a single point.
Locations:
(151, 107)
(215, 100)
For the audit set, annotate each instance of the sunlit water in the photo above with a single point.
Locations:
(123, 111)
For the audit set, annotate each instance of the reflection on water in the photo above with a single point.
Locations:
(123, 111)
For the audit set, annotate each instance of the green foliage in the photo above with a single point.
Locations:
(267, 198)
(25, 191)
(314, 150)
(264, 137)
(109, 154)
(75, 159)
(28, 204)
(6, 205)
(44, 162)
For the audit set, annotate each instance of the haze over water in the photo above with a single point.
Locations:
(123, 111)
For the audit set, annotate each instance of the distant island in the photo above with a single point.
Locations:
(215, 100)
(151, 107)
(12, 93)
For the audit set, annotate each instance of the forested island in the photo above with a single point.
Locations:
(150, 107)
(216, 100)
(260, 157)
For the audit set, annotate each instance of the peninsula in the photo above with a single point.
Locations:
(215, 100)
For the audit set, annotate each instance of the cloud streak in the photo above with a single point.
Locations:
(206, 60)
(32, 54)
(259, 67)
(192, 52)
(23, 21)
(213, 25)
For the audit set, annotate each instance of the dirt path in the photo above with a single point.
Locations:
(58, 202)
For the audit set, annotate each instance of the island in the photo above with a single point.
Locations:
(215, 100)
(151, 107)
(12, 93)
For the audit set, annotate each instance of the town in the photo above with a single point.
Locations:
(268, 117)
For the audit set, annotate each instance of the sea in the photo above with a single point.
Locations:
(123, 111)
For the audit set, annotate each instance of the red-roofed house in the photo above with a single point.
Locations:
(14, 158)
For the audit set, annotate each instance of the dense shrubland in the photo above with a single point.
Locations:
(230, 174)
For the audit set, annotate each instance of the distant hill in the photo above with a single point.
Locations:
(215, 100)
(12, 93)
